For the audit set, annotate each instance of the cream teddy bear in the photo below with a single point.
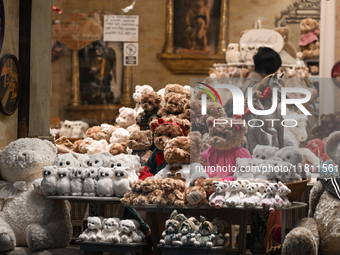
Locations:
(94, 225)
(110, 231)
(40, 223)
(128, 232)
(127, 119)
(120, 135)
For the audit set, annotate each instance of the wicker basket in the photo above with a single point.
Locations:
(297, 189)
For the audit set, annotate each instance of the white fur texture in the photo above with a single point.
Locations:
(90, 176)
(110, 231)
(94, 224)
(49, 183)
(64, 182)
(185, 172)
(97, 147)
(127, 117)
(120, 135)
(77, 175)
(97, 160)
(121, 182)
(105, 182)
(66, 128)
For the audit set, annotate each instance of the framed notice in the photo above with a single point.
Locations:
(121, 28)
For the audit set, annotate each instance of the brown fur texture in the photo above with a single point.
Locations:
(225, 136)
(172, 89)
(208, 185)
(134, 193)
(312, 49)
(287, 45)
(81, 146)
(163, 131)
(118, 148)
(106, 134)
(175, 105)
(140, 142)
(196, 195)
(177, 150)
(173, 193)
(151, 191)
(64, 145)
(151, 103)
(92, 132)
(76, 145)
(196, 146)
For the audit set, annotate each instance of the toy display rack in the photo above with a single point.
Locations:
(127, 249)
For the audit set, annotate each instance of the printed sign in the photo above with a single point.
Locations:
(263, 37)
(130, 54)
(121, 28)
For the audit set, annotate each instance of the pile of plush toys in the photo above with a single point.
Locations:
(183, 231)
(72, 129)
(112, 230)
(99, 174)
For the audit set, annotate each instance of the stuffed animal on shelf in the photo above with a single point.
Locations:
(49, 183)
(196, 195)
(140, 143)
(177, 105)
(217, 199)
(133, 194)
(27, 217)
(121, 182)
(110, 231)
(150, 103)
(252, 197)
(172, 89)
(172, 227)
(76, 176)
(120, 135)
(128, 232)
(151, 190)
(287, 45)
(219, 226)
(71, 159)
(105, 182)
(66, 128)
(139, 91)
(94, 225)
(309, 38)
(232, 54)
(79, 129)
(292, 155)
(235, 194)
(186, 235)
(127, 119)
(105, 132)
(63, 182)
(205, 236)
(283, 191)
(90, 176)
(92, 132)
(97, 147)
(118, 148)
(97, 160)
(81, 146)
(271, 199)
(130, 162)
(286, 173)
(138, 231)
(173, 193)
(264, 151)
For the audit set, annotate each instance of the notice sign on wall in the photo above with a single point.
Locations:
(130, 54)
(121, 28)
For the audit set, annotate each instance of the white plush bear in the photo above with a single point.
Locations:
(264, 151)
(128, 232)
(28, 218)
(94, 224)
(127, 119)
(243, 169)
(71, 159)
(121, 182)
(97, 160)
(110, 231)
(66, 128)
(283, 191)
(49, 183)
(233, 198)
(90, 177)
(131, 162)
(105, 182)
(138, 231)
(287, 173)
(97, 147)
(63, 182)
(76, 177)
(232, 54)
(252, 197)
(120, 135)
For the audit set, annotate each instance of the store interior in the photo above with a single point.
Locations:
(169, 127)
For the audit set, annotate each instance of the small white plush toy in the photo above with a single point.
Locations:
(121, 182)
(97, 147)
(252, 197)
(77, 130)
(287, 173)
(128, 232)
(63, 182)
(127, 117)
(131, 162)
(120, 135)
(264, 151)
(243, 51)
(70, 159)
(110, 231)
(283, 191)
(97, 160)
(232, 54)
(251, 51)
(105, 182)
(94, 224)
(138, 231)
(49, 183)
(66, 128)
(233, 198)
(90, 176)
(76, 176)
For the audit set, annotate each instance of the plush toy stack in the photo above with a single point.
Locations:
(72, 129)
(99, 174)
(112, 230)
(183, 231)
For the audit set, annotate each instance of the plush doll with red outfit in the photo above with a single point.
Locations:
(164, 130)
(225, 146)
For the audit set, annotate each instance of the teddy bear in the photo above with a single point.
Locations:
(205, 236)
(98, 160)
(264, 151)
(49, 182)
(105, 182)
(196, 195)
(292, 155)
(120, 135)
(137, 95)
(252, 198)
(127, 119)
(309, 36)
(90, 176)
(97, 147)
(172, 227)
(92, 132)
(105, 132)
(63, 182)
(130, 162)
(225, 141)
(172, 193)
(283, 191)
(151, 190)
(178, 105)
(110, 231)
(121, 182)
(186, 234)
(136, 190)
(286, 173)
(150, 103)
(82, 146)
(164, 129)
(235, 194)
(66, 128)
(271, 199)
(287, 45)
(140, 143)
(128, 232)
(94, 225)
(217, 199)
(30, 224)
(177, 155)
(171, 89)
(64, 145)
(219, 226)
(319, 233)
(118, 148)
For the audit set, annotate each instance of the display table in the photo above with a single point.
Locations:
(126, 248)
(190, 250)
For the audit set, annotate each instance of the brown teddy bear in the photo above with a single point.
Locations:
(309, 36)
(178, 105)
(140, 143)
(106, 132)
(82, 146)
(173, 193)
(134, 193)
(196, 195)
(151, 190)
(118, 148)
(172, 89)
(92, 132)
(150, 103)
(287, 45)
(164, 130)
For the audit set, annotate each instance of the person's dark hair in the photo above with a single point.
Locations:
(267, 61)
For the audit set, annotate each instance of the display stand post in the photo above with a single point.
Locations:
(75, 79)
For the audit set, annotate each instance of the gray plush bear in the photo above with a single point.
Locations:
(205, 236)
(186, 235)
(71, 159)
(172, 228)
(292, 155)
(97, 160)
